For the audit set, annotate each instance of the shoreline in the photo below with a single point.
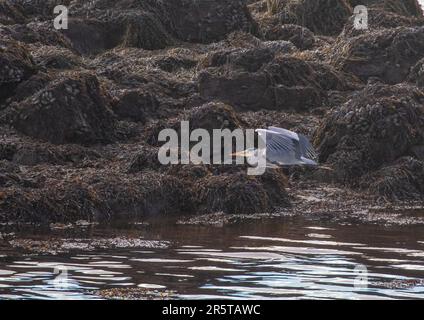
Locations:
(80, 111)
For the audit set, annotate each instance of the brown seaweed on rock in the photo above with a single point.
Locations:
(403, 180)
(375, 127)
(239, 193)
(148, 24)
(402, 7)
(73, 108)
(300, 36)
(387, 54)
(380, 19)
(324, 17)
(16, 66)
(417, 74)
(286, 82)
(11, 13)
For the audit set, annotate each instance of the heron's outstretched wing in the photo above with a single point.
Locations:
(306, 148)
(285, 132)
(280, 147)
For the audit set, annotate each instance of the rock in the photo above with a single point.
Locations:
(36, 33)
(300, 36)
(73, 108)
(404, 7)
(52, 57)
(380, 19)
(208, 21)
(417, 74)
(214, 115)
(401, 181)
(151, 25)
(284, 83)
(146, 159)
(96, 195)
(136, 105)
(209, 116)
(11, 13)
(7, 151)
(16, 66)
(387, 54)
(324, 17)
(250, 60)
(374, 128)
(239, 193)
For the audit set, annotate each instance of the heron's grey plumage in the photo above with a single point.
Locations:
(285, 147)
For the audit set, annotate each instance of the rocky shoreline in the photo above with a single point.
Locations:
(80, 109)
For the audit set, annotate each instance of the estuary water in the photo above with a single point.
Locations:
(281, 258)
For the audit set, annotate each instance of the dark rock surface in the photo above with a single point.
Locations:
(374, 128)
(73, 108)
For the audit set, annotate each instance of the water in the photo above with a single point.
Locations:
(279, 258)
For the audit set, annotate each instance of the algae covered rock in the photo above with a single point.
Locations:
(402, 180)
(135, 105)
(387, 54)
(285, 83)
(208, 21)
(74, 108)
(417, 74)
(404, 7)
(325, 17)
(301, 37)
(11, 13)
(16, 66)
(238, 193)
(375, 127)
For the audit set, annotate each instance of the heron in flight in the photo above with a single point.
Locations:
(282, 148)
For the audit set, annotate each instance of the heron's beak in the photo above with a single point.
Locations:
(239, 154)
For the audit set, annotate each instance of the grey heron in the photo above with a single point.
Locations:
(282, 148)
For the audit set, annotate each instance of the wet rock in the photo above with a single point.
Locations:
(36, 32)
(41, 154)
(380, 19)
(210, 116)
(325, 17)
(387, 54)
(208, 21)
(102, 25)
(134, 69)
(136, 105)
(40, 9)
(417, 74)
(51, 57)
(241, 194)
(12, 176)
(73, 108)
(250, 60)
(11, 13)
(7, 151)
(175, 63)
(146, 159)
(403, 180)
(375, 127)
(284, 83)
(214, 115)
(405, 7)
(29, 87)
(96, 195)
(16, 66)
(300, 36)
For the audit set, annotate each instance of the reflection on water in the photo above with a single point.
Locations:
(280, 258)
